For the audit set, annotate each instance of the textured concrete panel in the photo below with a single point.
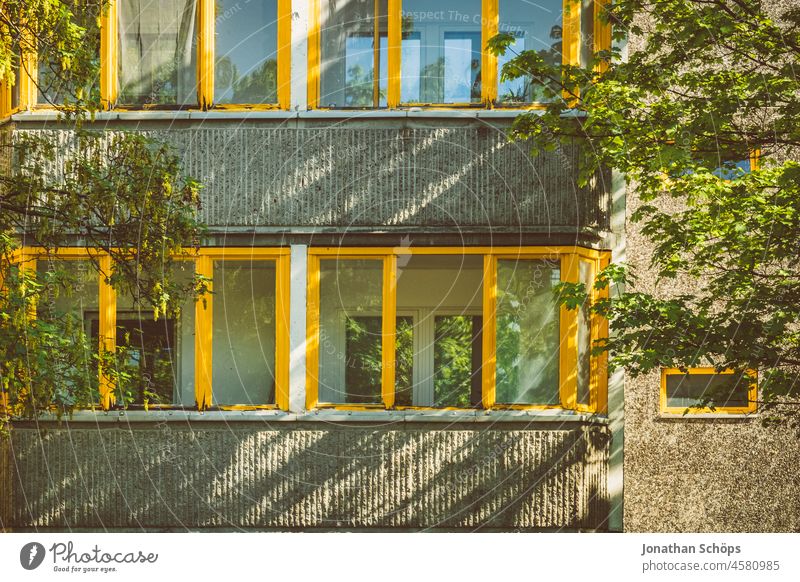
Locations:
(701, 474)
(344, 177)
(310, 475)
(6, 481)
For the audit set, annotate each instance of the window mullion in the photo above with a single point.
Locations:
(489, 28)
(489, 338)
(205, 54)
(602, 31)
(203, 341)
(389, 329)
(571, 33)
(394, 40)
(599, 393)
(108, 328)
(312, 333)
(313, 54)
(571, 39)
(108, 55)
(28, 72)
(568, 350)
(284, 53)
(282, 333)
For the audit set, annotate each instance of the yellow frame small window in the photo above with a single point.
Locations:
(672, 388)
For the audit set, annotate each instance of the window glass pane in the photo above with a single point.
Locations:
(246, 69)
(723, 390)
(350, 54)
(243, 344)
(457, 360)
(441, 49)
(158, 354)
(535, 26)
(585, 276)
(730, 170)
(527, 332)
(58, 83)
(445, 295)
(70, 299)
(157, 52)
(587, 32)
(404, 364)
(350, 324)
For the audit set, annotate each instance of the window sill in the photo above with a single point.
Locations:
(673, 416)
(50, 115)
(327, 415)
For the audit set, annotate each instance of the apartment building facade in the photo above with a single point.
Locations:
(382, 349)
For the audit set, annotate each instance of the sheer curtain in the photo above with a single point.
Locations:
(157, 52)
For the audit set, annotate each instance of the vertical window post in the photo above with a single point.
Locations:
(108, 329)
(283, 281)
(284, 54)
(389, 318)
(312, 333)
(108, 55)
(204, 308)
(602, 31)
(5, 99)
(28, 71)
(205, 54)
(394, 42)
(313, 56)
(571, 37)
(568, 323)
(489, 336)
(490, 19)
(571, 33)
(599, 385)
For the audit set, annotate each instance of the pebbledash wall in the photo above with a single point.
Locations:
(702, 473)
(295, 179)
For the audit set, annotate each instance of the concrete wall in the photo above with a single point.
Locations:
(287, 475)
(376, 173)
(701, 474)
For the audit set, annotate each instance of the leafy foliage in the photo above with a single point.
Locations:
(122, 194)
(707, 83)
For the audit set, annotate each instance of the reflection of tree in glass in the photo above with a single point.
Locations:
(243, 280)
(359, 88)
(73, 78)
(532, 90)
(67, 366)
(363, 364)
(225, 74)
(259, 86)
(432, 78)
(527, 334)
(161, 87)
(452, 360)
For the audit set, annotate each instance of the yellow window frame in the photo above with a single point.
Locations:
(204, 265)
(752, 393)
(27, 88)
(204, 309)
(568, 322)
(109, 58)
(490, 11)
